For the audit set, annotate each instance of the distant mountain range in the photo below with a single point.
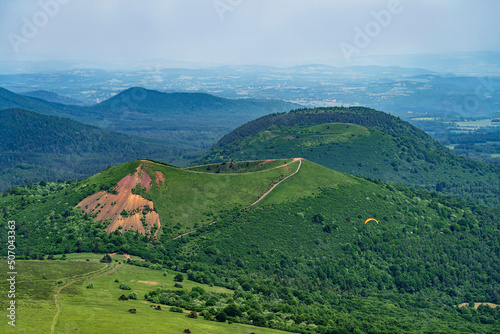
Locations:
(42, 140)
(52, 97)
(182, 119)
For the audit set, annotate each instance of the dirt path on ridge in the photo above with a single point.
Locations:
(275, 185)
(262, 196)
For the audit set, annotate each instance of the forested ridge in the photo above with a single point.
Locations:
(363, 142)
(35, 147)
(356, 115)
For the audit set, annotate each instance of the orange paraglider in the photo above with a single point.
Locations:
(366, 221)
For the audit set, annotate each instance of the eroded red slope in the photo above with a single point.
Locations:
(125, 209)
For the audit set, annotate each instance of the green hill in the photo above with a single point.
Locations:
(364, 142)
(10, 100)
(301, 259)
(35, 147)
(151, 102)
(52, 97)
(192, 120)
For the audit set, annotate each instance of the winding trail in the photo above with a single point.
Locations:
(59, 308)
(183, 234)
(262, 196)
(275, 185)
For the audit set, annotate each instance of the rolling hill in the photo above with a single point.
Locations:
(301, 259)
(364, 142)
(35, 147)
(52, 97)
(181, 119)
(10, 100)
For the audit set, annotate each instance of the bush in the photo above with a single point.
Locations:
(179, 277)
(175, 309)
(133, 295)
(106, 259)
(232, 310)
(122, 297)
(221, 316)
(124, 286)
(198, 289)
(211, 302)
(177, 285)
(90, 286)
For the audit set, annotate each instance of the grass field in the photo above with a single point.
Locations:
(98, 310)
(477, 123)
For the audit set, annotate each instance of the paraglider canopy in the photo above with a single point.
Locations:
(366, 221)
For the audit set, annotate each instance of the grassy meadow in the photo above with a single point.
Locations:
(98, 310)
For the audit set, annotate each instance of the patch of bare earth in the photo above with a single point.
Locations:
(134, 207)
(476, 305)
(266, 161)
(148, 282)
(160, 178)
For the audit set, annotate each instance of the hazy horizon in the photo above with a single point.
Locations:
(242, 32)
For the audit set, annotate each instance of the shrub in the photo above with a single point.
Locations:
(179, 277)
(175, 309)
(133, 295)
(106, 259)
(221, 316)
(124, 286)
(90, 286)
(122, 297)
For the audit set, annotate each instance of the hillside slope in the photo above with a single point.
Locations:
(35, 147)
(180, 119)
(364, 142)
(9, 100)
(301, 259)
(143, 195)
(52, 97)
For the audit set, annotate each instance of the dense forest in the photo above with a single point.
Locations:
(34, 147)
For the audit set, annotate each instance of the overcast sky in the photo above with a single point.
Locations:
(243, 31)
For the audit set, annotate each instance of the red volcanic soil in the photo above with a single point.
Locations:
(160, 178)
(265, 162)
(110, 206)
